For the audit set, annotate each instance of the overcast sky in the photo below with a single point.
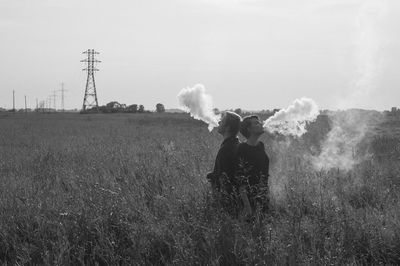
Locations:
(253, 54)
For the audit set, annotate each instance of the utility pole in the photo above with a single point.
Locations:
(62, 96)
(54, 100)
(26, 111)
(48, 103)
(37, 105)
(14, 101)
(42, 105)
(90, 98)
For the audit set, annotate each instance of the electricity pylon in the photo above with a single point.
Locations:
(90, 98)
(62, 96)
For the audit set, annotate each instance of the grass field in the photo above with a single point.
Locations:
(130, 189)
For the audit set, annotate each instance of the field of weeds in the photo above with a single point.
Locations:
(131, 190)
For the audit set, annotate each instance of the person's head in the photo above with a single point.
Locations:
(229, 124)
(251, 126)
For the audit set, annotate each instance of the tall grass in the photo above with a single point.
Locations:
(131, 190)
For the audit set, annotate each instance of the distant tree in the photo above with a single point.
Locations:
(216, 111)
(133, 108)
(115, 107)
(141, 109)
(112, 105)
(238, 111)
(160, 108)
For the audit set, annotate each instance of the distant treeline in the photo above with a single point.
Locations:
(116, 107)
(111, 107)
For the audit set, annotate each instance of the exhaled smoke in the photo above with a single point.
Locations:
(199, 105)
(368, 56)
(293, 120)
(339, 150)
(342, 146)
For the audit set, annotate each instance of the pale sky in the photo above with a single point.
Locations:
(251, 54)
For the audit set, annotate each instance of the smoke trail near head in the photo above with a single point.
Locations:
(199, 104)
(293, 120)
(346, 143)
(339, 148)
(349, 128)
(369, 61)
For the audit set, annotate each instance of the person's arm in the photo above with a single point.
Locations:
(213, 176)
(245, 200)
(265, 171)
(225, 162)
(264, 184)
(241, 184)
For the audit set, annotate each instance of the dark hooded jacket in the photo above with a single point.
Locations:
(225, 163)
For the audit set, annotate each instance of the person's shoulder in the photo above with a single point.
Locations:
(242, 145)
(260, 146)
(235, 141)
(229, 145)
(243, 148)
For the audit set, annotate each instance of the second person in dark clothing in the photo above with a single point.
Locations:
(253, 166)
(222, 178)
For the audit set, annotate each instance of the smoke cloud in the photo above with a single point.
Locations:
(293, 120)
(339, 150)
(199, 104)
(368, 56)
(348, 141)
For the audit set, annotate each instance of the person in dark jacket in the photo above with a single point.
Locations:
(253, 166)
(222, 178)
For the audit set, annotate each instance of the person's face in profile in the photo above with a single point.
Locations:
(256, 127)
(221, 124)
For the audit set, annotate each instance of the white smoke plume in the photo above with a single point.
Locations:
(199, 104)
(340, 146)
(293, 120)
(349, 128)
(368, 56)
(347, 142)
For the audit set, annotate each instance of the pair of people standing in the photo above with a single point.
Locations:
(240, 175)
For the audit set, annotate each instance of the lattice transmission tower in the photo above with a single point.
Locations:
(90, 98)
(63, 90)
